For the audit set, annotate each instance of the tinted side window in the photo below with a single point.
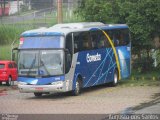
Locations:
(126, 37)
(103, 40)
(14, 65)
(77, 42)
(86, 39)
(69, 45)
(2, 66)
(99, 40)
(68, 54)
(10, 65)
(110, 33)
(94, 37)
(120, 37)
(82, 41)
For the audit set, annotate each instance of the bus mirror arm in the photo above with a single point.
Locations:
(66, 50)
(68, 55)
(13, 54)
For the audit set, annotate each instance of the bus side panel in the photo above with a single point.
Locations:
(124, 58)
(95, 66)
(71, 76)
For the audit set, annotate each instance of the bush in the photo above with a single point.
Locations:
(24, 8)
(143, 64)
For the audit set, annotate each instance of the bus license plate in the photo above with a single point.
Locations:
(39, 88)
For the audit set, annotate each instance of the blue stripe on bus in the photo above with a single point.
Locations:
(41, 81)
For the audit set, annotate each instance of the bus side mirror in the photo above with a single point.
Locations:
(14, 55)
(68, 61)
(68, 55)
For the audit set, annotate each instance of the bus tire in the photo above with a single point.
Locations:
(77, 89)
(9, 81)
(115, 79)
(37, 94)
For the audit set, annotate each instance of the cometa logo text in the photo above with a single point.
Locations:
(93, 58)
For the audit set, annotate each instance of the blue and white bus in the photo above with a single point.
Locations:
(72, 56)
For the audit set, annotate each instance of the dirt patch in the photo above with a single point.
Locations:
(96, 100)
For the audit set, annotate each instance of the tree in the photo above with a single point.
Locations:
(142, 17)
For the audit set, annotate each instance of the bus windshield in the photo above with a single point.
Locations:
(41, 62)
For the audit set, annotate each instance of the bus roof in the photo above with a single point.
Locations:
(63, 29)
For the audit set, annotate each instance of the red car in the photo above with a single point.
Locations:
(8, 72)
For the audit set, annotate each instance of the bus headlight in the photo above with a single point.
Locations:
(57, 83)
(22, 83)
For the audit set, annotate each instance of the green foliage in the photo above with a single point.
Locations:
(24, 8)
(143, 64)
(151, 78)
(9, 33)
(5, 52)
(142, 16)
(94, 10)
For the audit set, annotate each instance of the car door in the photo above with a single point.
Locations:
(2, 70)
(14, 71)
(9, 70)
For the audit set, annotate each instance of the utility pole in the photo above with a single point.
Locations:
(59, 10)
(1, 11)
(1, 8)
(4, 7)
(18, 6)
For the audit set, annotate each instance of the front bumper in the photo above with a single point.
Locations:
(41, 88)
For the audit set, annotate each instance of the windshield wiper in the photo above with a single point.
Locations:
(42, 63)
(32, 64)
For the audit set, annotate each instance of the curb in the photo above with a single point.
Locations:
(146, 78)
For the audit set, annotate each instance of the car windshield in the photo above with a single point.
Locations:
(40, 62)
(1, 66)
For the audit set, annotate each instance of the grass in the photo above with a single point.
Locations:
(151, 78)
(5, 52)
(8, 34)
(51, 18)
(11, 32)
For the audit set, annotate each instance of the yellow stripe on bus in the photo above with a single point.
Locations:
(115, 52)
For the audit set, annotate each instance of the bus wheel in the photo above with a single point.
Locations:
(115, 80)
(9, 81)
(38, 94)
(77, 90)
